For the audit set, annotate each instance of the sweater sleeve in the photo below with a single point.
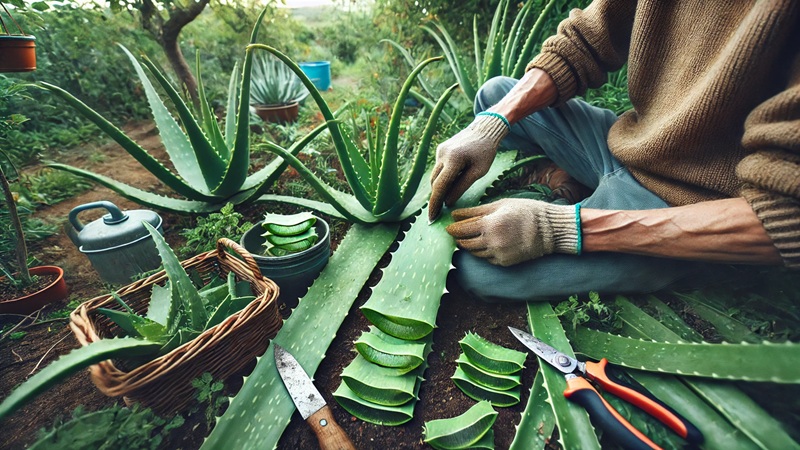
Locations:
(589, 44)
(771, 172)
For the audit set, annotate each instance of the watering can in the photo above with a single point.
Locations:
(118, 245)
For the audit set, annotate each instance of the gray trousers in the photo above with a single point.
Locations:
(574, 136)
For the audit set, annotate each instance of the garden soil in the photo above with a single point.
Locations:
(46, 340)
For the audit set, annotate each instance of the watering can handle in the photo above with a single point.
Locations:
(116, 215)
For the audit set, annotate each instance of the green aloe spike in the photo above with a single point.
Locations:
(485, 378)
(749, 362)
(384, 350)
(491, 357)
(463, 431)
(380, 385)
(575, 429)
(538, 421)
(72, 362)
(479, 392)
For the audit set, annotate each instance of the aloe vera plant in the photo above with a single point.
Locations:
(463, 431)
(380, 194)
(210, 164)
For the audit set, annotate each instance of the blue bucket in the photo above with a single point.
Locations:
(319, 72)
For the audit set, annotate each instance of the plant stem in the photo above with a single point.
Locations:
(22, 250)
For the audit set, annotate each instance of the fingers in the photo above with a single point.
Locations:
(443, 178)
(475, 211)
(466, 229)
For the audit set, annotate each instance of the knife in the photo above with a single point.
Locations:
(310, 403)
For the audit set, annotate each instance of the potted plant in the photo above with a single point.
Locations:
(22, 290)
(290, 250)
(18, 50)
(275, 91)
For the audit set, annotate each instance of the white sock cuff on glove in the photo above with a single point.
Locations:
(566, 232)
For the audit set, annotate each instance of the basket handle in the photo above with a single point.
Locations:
(224, 243)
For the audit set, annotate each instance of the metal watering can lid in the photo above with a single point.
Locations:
(114, 229)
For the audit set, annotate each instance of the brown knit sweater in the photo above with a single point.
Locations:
(715, 86)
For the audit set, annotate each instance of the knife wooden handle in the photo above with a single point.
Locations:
(329, 433)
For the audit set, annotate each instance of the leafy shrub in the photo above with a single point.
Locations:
(203, 237)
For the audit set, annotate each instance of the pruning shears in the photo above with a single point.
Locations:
(581, 391)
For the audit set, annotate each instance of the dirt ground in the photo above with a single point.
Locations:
(439, 397)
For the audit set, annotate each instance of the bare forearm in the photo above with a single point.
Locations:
(535, 90)
(721, 230)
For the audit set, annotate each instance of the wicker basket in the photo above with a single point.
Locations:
(164, 384)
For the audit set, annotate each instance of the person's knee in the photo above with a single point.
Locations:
(492, 91)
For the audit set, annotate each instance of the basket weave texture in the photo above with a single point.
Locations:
(164, 384)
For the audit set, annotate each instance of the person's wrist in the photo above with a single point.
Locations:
(492, 126)
(565, 222)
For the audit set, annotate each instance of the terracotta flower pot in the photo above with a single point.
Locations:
(19, 53)
(55, 291)
(278, 113)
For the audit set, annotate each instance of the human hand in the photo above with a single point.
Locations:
(511, 231)
(463, 159)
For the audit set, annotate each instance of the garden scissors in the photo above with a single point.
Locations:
(581, 391)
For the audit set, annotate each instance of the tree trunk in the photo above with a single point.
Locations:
(22, 249)
(174, 54)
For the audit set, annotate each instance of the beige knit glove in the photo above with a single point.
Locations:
(511, 230)
(464, 158)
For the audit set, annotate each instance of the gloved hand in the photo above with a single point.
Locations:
(464, 158)
(512, 230)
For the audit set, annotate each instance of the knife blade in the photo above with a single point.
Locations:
(310, 403)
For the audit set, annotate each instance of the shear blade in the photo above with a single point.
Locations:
(552, 356)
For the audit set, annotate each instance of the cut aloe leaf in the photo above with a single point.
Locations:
(462, 431)
(288, 225)
(380, 385)
(491, 357)
(384, 350)
(477, 392)
(538, 422)
(491, 380)
(309, 235)
(374, 413)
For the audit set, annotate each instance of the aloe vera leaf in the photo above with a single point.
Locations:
(261, 411)
(124, 320)
(226, 308)
(749, 362)
(148, 162)
(478, 392)
(321, 207)
(208, 118)
(191, 150)
(349, 159)
(183, 336)
(667, 317)
(515, 37)
(288, 225)
(496, 381)
(158, 308)
(372, 412)
(453, 59)
(476, 44)
(213, 297)
(309, 235)
(538, 422)
(490, 356)
(492, 56)
(345, 204)
(388, 196)
(181, 284)
(143, 197)
(420, 161)
(534, 38)
(462, 431)
(150, 330)
(230, 111)
(733, 404)
(486, 442)
(411, 63)
(380, 385)
(72, 362)
(384, 350)
(428, 103)
(729, 328)
(575, 428)
(405, 301)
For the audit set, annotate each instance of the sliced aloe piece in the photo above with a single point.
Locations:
(477, 392)
(490, 356)
(380, 385)
(462, 431)
(374, 413)
(288, 225)
(309, 235)
(486, 378)
(384, 350)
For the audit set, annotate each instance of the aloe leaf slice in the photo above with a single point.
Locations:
(380, 385)
(372, 412)
(750, 362)
(486, 442)
(491, 357)
(309, 235)
(477, 392)
(496, 381)
(262, 409)
(575, 428)
(384, 350)
(72, 362)
(462, 431)
(289, 225)
(538, 422)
